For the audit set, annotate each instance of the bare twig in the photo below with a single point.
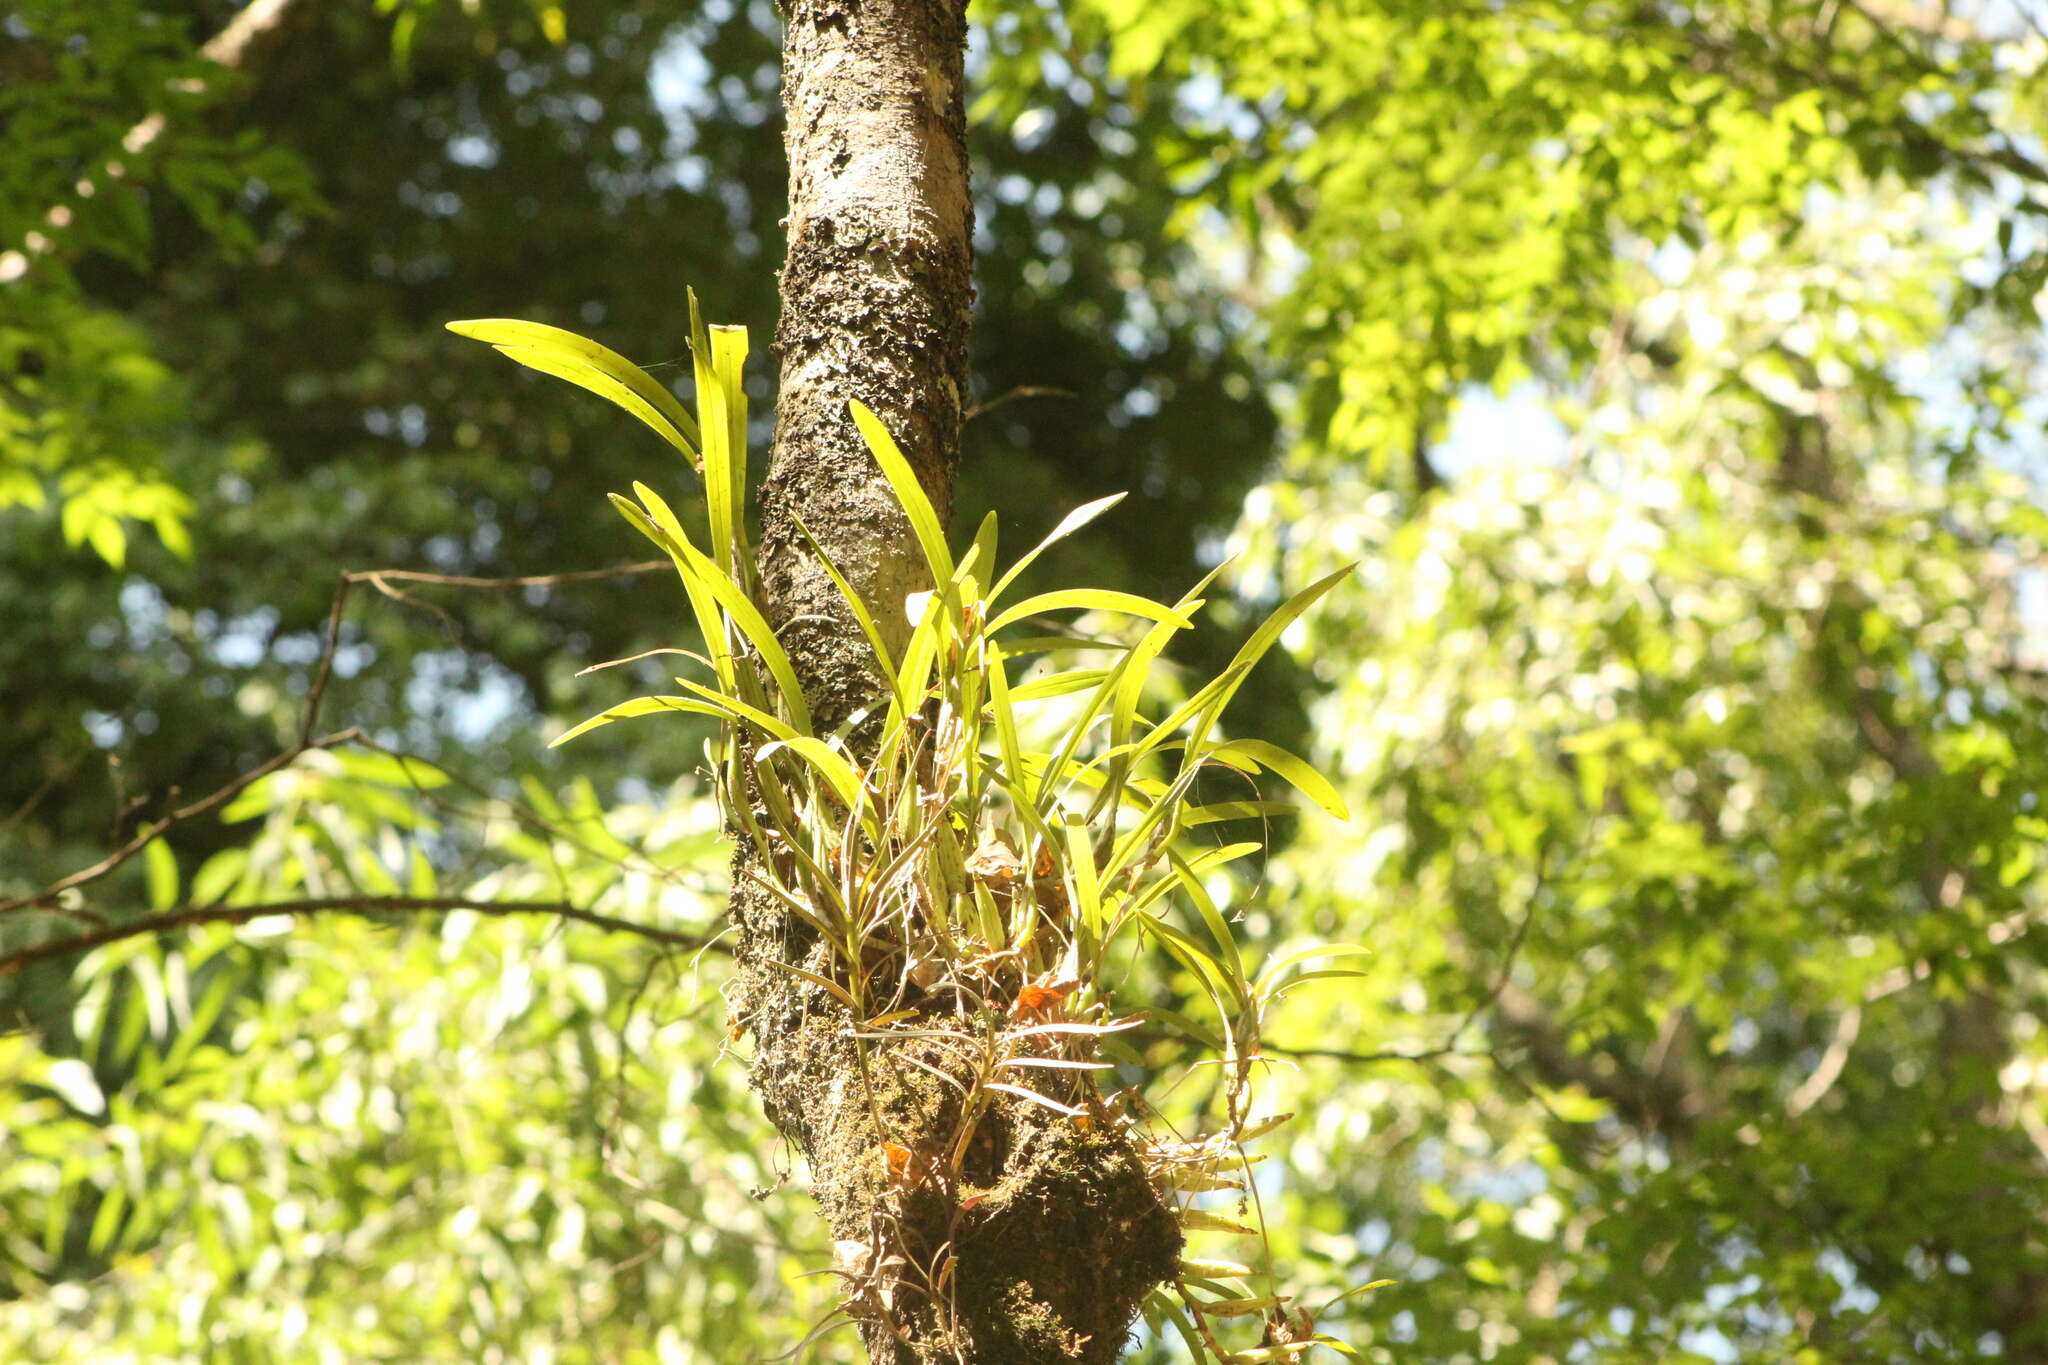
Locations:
(1011, 396)
(383, 580)
(213, 801)
(188, 916)
(543, 580)
(40, 794)
(307, 741)
(1832, 1061)
(324, 674)
(1507, 962)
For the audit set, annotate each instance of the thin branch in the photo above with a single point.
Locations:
(307, 741)
(325, 673)
(219, 797)
(40, 794)
(1658, 1102)
(1832, 1062)
(227, 791)
(384, 579)
(1507, 961)
(188, 916)
(1021, 391)
(1449, 1047)
(544, 580)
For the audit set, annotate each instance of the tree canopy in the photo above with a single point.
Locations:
(1670, 373)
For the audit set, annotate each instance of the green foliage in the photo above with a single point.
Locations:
(396, 1141)
(1458, 193)
(81, 76)
(1704, 815)
(1693, 737)
(86, 407)
(312, 427)
(1696, 747)
(87, 413)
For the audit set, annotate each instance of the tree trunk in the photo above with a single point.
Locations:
(1051, 1262)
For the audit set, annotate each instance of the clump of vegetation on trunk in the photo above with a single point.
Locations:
(956, 864)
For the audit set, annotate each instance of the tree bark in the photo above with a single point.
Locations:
(1049, 1262)
(876, 297)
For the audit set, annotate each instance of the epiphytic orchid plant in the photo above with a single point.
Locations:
(969, 865)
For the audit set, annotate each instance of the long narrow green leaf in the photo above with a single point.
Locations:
(1296, 770)
(1034, 823)
(1055, 774)
(759, 633)
(565, 351)
(934, 627)
(718, 456)
(1019, 645)
(736, 709)
(913, 675)
(659, 524)
(985, 547)
(1187, 1330)
(1089, 599)
(639, 706)
(1208, 702)
(797, 905)
(1300, 955)
(813, 874)
(729, 360)
(1209, 859)
(1070, 523)
(1058, 684)
(1089, 776)
(1165, 810)
(924, 518)
(1269, 632)
(1294, 983)
(1120, 758)
(1188, 1027)
(1216, 811)
(1087, 890)
(831, 765)
(837, 991)
(606, 387)
(1005, 718)
(1026, 1092)
(1356, 1289)
(1130, 687)
(1215, 978)
(1229, 960)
